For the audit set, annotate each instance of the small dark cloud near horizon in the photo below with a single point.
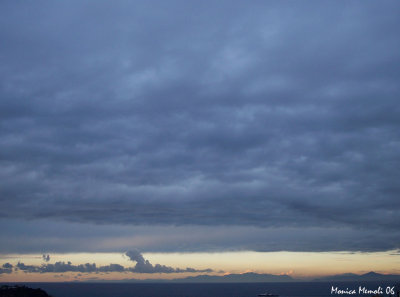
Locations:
(144, 266)
(6, 268)
(278, 117)
(46, 258)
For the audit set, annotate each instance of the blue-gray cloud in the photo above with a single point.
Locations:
(78, 237)
(183, 114)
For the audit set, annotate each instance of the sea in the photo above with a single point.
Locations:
(288, 289)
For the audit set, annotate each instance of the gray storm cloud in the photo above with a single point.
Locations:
(270, 119)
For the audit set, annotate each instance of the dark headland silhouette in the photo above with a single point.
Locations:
(21, 291)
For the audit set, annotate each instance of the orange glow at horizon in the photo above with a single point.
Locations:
(296, 264)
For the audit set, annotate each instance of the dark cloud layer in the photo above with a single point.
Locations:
(268, 115)
(69, 267)
(142, 266)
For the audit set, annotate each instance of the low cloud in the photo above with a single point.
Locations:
(59, 267)
(144, 266)
(6, 268)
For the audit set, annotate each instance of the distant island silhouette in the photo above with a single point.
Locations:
(370, 276)
(21, 291)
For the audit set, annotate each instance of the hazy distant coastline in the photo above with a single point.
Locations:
(252, 277)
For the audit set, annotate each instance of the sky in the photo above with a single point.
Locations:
(173, 131)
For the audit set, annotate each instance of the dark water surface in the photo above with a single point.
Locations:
(203, 289)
